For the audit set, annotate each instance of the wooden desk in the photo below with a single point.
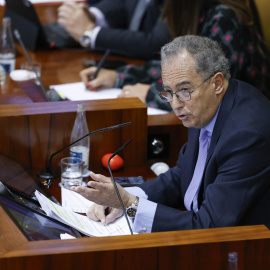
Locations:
(197, 249)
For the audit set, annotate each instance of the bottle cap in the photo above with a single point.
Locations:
(232, 256)
(6, 20)
(80, 107)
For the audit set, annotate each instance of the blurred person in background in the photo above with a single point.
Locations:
(116, 25)
(229, 22)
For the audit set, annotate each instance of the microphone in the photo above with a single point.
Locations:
(114, 183)
(49, 174)
(50, 95)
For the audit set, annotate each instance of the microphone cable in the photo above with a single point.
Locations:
(115, 185)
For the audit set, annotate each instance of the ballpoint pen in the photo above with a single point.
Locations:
(100, 64)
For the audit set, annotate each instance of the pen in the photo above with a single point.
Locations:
(100, 64)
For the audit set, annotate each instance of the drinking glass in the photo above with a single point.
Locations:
(71, 172)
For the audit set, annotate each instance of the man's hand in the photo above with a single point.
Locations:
(104, 214)
(106, 78)
(137, 90)
(102, 192)
(73, 17)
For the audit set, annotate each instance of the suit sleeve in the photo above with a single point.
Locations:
(114, 12)
(134, 43)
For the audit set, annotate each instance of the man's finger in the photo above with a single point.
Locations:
(100, 178)
(88, 193)
(97, 213)
(91, 214)
(113, 215)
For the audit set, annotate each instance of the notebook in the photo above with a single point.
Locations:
(35, 35)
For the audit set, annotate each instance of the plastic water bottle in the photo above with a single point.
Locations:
(7, 46)
(81, 148)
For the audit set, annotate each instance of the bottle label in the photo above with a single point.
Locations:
(82, 153)
(8, 67)
(7, 62)
(76, 154)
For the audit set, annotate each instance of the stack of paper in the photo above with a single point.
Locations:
(80, 222)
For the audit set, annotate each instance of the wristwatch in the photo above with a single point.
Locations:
(132, 209)
(85, 39)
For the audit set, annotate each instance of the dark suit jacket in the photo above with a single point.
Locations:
(236, 180)
(145, 43)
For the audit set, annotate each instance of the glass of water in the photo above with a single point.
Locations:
(37, 67)
(71, 172)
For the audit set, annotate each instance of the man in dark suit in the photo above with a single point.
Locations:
(109, 25)
(224, 181)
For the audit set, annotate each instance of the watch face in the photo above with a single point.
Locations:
(131, 212)
(85, 41)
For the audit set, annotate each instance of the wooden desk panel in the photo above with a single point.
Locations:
(196, 249)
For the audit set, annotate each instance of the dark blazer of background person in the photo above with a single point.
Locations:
(236, 181)
(144, 43)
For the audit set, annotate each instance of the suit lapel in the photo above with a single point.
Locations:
(225, 109)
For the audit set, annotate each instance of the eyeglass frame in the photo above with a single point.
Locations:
(175, 93)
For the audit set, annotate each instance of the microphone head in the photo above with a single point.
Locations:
(52, 95)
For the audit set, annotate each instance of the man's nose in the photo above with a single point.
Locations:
(176, 103)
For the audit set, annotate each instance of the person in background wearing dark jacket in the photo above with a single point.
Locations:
(229, 22)
(117, 26)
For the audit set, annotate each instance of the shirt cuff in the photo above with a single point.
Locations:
(144, 218)
(136, 191)
(100, 18)
(143, 221)
(94, 36)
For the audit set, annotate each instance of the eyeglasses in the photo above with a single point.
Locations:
(183, 94)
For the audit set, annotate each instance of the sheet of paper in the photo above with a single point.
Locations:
(65, 236)
(80, 222)
(77, 91)
(74, 201)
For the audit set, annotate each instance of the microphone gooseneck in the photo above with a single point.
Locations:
(49, 174)
(50, 95)
(114, 183)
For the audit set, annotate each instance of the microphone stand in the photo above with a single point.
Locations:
(114, 183)
(48, 174)
(50, 95)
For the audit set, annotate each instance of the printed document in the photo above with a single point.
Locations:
(74, 201)
(80, 222)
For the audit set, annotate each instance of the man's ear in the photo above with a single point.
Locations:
(218, 81)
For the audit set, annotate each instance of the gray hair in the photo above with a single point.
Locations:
(209, 57)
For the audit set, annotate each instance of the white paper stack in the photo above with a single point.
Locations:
(80, 222)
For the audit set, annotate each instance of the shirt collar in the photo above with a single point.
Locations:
(210, 126)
